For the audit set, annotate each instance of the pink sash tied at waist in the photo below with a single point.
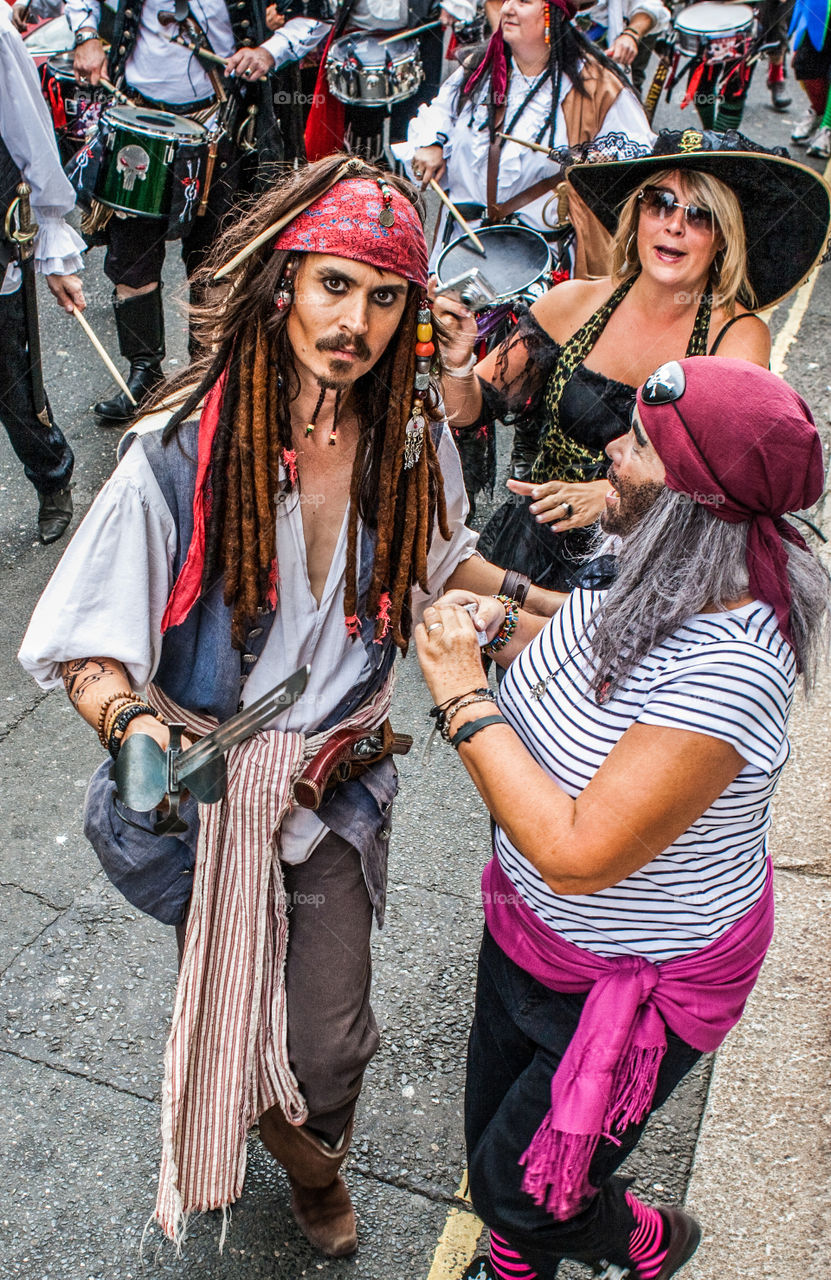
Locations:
(606, 1078)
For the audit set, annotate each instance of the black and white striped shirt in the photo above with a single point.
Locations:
(729, 675)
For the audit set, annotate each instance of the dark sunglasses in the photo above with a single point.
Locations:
(660, 202)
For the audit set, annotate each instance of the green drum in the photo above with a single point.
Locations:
(144, 151)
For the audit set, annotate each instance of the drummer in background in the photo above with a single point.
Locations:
(620, 29)
(157, 73)
(559, 91)
(698, 248)
(28, 152)
(26, 12)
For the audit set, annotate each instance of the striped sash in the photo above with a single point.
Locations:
(226, 1059)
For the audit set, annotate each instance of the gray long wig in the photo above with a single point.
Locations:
(677, 560)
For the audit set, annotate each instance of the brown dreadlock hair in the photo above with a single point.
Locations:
(244, 336)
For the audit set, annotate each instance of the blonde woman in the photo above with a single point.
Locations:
(697, 250)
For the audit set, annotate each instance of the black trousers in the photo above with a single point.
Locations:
(520, 1031)
(46, 456)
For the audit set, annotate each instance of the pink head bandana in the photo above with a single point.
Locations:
(747, 449)
(346, 221)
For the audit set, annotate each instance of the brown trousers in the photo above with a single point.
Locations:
(332, 1033)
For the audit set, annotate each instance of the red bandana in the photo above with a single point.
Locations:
(749, 452)
(346, 222)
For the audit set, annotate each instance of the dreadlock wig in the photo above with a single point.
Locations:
(242, 331)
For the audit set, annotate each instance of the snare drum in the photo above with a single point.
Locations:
(147, 155)
(516, 263)
(716, 32)
(75, 108)
(362, 71)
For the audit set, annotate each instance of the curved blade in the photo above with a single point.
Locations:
(208, 782)
(140, 773)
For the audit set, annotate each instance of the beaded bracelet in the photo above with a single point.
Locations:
(118, 705)
(472, 727)
(488, 696)
(121, 721)
(123, 694)
(508, 627)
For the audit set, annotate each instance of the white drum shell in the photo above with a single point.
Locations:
(721, 31)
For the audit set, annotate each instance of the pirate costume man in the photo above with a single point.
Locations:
(28, 152)
(194, 573)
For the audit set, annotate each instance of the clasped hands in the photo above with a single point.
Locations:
(446, 642)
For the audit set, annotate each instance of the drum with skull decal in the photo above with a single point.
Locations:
(144, 150)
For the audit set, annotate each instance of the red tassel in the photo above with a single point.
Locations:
(271, 594)
(382, 616)
(693, 85)
(290, 463)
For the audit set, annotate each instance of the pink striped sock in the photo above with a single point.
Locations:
(506, 1263)
(647, 1247)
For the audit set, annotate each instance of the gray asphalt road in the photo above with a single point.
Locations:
(86, 983)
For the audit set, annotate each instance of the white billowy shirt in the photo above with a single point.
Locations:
(108, 594)
(27, 131)
(167, 72)
(465, 140)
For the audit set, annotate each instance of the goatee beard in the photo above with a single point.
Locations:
(634, 500)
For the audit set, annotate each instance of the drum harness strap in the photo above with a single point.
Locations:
(499, 212)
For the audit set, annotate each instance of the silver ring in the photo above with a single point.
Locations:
(433, 626)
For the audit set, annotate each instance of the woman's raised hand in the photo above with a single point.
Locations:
(446, 642)
(564, 505)
(428, 163)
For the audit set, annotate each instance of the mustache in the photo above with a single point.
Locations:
(357, 344)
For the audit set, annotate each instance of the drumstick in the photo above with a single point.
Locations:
(115, 92)
(413, 31)
(468, 230)
(532, 146)
(200, 53)
(87, 328)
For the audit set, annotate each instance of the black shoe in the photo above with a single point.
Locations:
(684, 1237)
(143, 379)
(54, 514)
(479, 1269)
(780, 99)
(140, 325)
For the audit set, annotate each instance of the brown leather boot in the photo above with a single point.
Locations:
(319, 1199)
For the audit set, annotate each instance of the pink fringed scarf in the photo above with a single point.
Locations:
(606, 1078)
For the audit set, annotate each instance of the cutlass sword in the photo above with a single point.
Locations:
(21, 228)
(145, 774)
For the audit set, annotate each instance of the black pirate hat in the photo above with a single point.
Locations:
(785, 205)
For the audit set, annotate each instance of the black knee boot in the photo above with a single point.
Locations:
(140, 325)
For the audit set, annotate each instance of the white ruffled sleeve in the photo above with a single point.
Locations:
(108, 594)
(435, 120)
(299, 37)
